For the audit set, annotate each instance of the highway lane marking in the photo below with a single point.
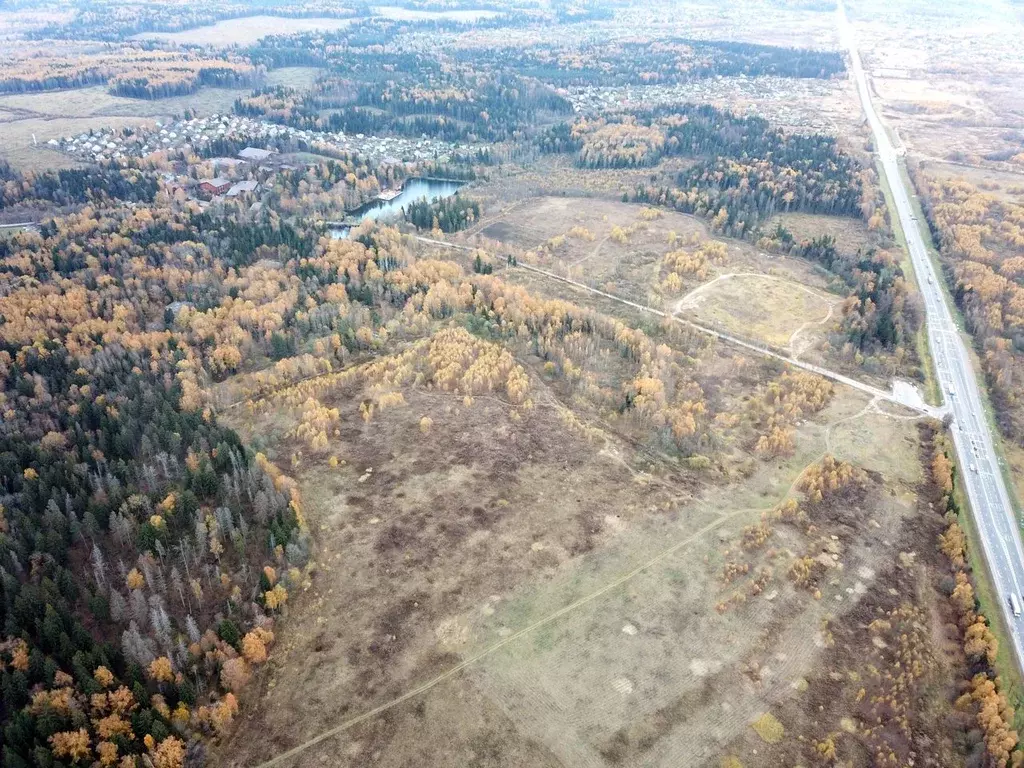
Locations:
(944, 341)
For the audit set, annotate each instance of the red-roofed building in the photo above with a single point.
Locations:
(217, 186)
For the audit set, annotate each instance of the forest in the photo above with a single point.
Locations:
(187, 384)
(130, 71)
(451, 106)
(661, 62)
(73, 186)
(482, 93)
(146, 550)
(448, 215)
(878, 314)
(981, 241)
(748, 170)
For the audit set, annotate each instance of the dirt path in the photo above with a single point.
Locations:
(348, 724)
(487, 221)
(756, 348)
(661, 556)
(594, 252)
(793, 349)
(689, 300)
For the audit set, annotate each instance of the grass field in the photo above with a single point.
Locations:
(780, 312)
(554, 586)
(851, 235)
(55, 114)
(293, 77)
(576, 237)
(582, 580)
(245, 31)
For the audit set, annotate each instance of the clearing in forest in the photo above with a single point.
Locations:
(635, 542)
(784, 314)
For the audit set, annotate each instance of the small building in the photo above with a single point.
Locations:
(230, 162)
(254, 154)
(216, 186)
(242, 188)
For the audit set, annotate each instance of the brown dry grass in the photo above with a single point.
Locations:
(779, 312)
(490, 522)
(56, 114)
(245, 31)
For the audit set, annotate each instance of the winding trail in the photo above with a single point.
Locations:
(690, 301)
(593, 253)
(563, 611)
(810, 323)
(760, 349)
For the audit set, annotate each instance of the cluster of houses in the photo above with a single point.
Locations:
(791, 102)
(200, 132)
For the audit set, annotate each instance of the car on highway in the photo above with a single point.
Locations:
(1015, 604)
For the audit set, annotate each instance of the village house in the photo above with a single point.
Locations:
(215, 186)
(242, 188)
(254, 154)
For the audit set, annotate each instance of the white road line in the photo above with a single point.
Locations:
(982, 480)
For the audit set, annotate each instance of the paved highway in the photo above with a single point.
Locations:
(979, 467)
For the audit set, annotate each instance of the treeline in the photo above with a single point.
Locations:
(143, 549)
(450, 214)
(171, 520)
(982, 712)
(357, 47)
(877, 314)
(459, 107)
(127, 71)
(981, 240)
(749, 170)
(144, 87)
(665, 62)
(76, 186)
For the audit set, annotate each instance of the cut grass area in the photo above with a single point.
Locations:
(245, 31)
(293, 77)
(762, 307)
(879, 443)
(34, 119)
(851, 234)
(97, 101)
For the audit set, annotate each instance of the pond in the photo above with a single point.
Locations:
(413, 191)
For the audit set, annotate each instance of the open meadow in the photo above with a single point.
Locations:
(245, 31)
(29, 121)
(554, 585)
(507, 385)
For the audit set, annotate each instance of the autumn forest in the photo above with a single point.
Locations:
(492, 384)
